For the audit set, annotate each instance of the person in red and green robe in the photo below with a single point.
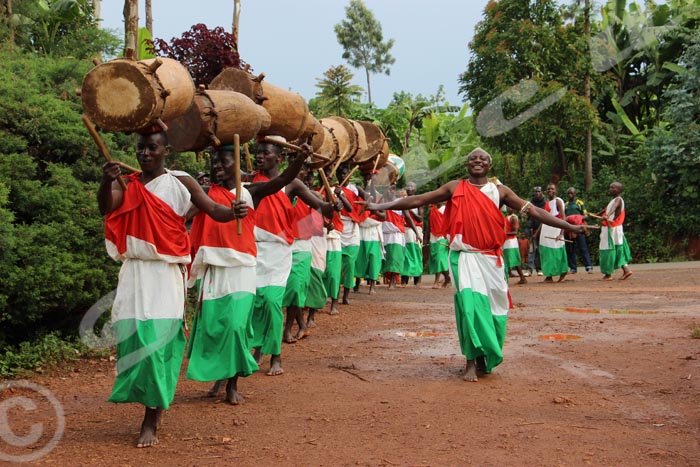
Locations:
(145, 230)
(614, 250)
(552, 246)
(476, 235)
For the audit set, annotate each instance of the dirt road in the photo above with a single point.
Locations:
(616, 383)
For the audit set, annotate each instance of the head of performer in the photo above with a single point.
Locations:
(151, 149)
(616, 189)
(551, 191)
(269, 155)
(571, 194)
(223, 165)
(537, 194)
(411, 188)
(342, 172)
(479, 163)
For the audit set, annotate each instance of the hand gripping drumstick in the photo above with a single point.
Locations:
(101, 145)
(237, 175)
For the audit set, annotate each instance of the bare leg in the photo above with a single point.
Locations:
(372, 290)
(357, 285)
(346, 293)
(214, 391)
(292, 312)
(233, 397)
(149, 426)
(310, 323)
(392, 280)
(626, 273)
(275, 366)
(447, 279)
(522, 276)
(561, 278)
(303, 331)
(257, 355)
(470, 372)
(436, 284)
(334, 307)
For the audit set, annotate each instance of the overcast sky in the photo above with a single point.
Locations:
(293, 41)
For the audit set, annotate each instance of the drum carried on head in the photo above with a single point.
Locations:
(127, 95)
(377, 152)
(346, 136)
(289, 115)
(213, 119)
(391, 172)
(324, 143)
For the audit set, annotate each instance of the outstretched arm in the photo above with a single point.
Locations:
(513, 201)
(441, 194)
(110, 194)
(297, 188)
(205, 204)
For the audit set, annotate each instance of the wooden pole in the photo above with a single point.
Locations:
(559, 239)
(248, 161)
(294, 147)
(101, 146)
(237, 174)
(327, 187)
(347, 177)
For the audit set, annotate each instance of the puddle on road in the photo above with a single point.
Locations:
(422, 334)
(609, 312)
(560, 337)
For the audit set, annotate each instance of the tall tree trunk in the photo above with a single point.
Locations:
(149, 17)
(236, 19)
(588, 157)
(7, 4)
(131, 28)
(97, 11)
(369, 90)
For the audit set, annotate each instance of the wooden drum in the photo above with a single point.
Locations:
(127, 95)
(289, 114)
(213, 119)
(345, 134)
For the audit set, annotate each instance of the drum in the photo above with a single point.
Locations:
(289, 114)
(380, 159)
(375, 142)
(345, 134)
(361, 153)
(127, 95)
(391, 172)
(213, 119)
(328, 147)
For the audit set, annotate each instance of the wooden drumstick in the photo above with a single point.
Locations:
(560, 239)
(127, 167)
(248, 162)
(237, 175)
(347, 177)
(101, 145)
(327, 187)
(335, 168)
(294, 147)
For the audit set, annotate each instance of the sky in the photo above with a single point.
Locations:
(293, 41)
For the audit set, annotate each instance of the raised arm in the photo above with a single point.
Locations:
(297, 188)
(513, 201)
(205, 204)
(258, 191)
(110, 194)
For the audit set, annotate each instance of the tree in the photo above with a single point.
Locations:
(149, 17)
(337, 95)
(362, 40)
(204, 52)
(524, 83)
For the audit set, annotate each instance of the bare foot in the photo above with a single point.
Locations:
(214, 391)
(481, 364)
(470, 372)
(548, 279)
(436, 285)
(275, 366)
(303, 332)
(149, 426)
(257, 355)
(446, 284)
(522, 281)
(288, 338)
(345, 301)
(607, 277)
(372, 290)
(626, 276)
(561, 278)
(233, 397)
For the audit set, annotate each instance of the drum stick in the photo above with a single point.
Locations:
(596, 216)
(560, 239)
(294, 147)
(237, 175)
(248, 162)
(347, 177)
(101, 145)
(127, 167)
(327, 187)
(335, 168)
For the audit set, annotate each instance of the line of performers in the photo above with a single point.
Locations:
(281, 244)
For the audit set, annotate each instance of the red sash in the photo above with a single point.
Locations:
(354, 213)
(436, 220)
(396, 219)
(274, 213)
(145, 216)
(205, 231)
(471, 214)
